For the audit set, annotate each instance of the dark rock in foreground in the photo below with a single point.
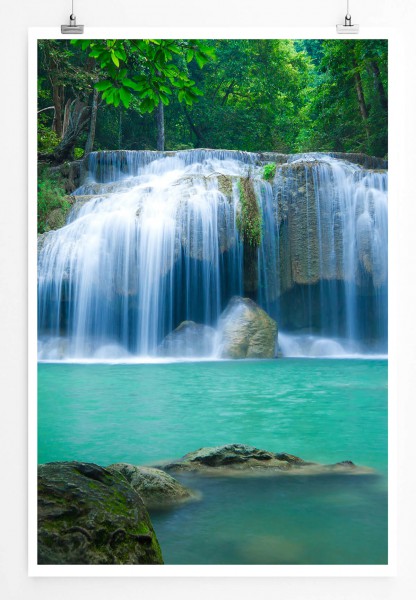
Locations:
(157, 489)
(239, 459)
(89, 515)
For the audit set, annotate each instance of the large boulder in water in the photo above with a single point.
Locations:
(244, 460)
(157, 489)
(246, 331)
(189, 340)
(89, 515)
(230, 456)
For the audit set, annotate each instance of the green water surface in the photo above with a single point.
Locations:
(321, 410)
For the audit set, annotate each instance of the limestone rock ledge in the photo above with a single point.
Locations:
(246, 330)
(157, 489)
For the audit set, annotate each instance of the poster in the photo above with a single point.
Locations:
(212, 285)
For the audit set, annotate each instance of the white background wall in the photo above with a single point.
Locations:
(17, 16)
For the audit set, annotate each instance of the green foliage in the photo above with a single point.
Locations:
(336, 119)
(180, 146)
(47, 139)
(78, 153)
(63, 76)
(146, 69)
(269, 171)
(249, 221)
(253, 96)
(256, 95)
(51, 196)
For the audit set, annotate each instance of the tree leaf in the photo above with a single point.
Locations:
(103, 85)
(125, 97)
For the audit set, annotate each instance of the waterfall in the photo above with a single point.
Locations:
(153, 239)
(325, 256)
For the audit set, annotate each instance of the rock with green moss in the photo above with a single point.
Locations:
(157, 489)
(269, 171)
(249, 220)
(246, 330)
(244, 460)
(225, 184)
(90, 515)
(53, 201)
(71, 173)
(56, 218)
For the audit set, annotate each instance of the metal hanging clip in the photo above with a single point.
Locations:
(348, 27)
(72, 28)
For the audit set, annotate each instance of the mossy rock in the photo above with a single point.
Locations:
(225, 185)
(90, 515)
(157, 489)
(56, 218)
(71, 173)
(269, 171)
(249, 220)
(247, 461)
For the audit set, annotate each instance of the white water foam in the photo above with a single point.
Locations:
(158, 243)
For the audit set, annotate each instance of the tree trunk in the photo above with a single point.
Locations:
(360, 96)
(120, 128)
(58, 99)
(66, 116)
(93, 122)
(199, 137)
(160, 116)
(379, 84)
(77, 121)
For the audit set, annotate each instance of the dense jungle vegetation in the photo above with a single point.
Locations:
(255, 95)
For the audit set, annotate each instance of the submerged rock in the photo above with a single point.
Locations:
(240, 459)
(90, 515)
(155, 487)
(246, 331)
(189, 339)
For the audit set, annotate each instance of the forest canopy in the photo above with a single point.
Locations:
(255, 95)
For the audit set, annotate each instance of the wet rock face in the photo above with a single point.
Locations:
(243, 460)
(330, 222)
(90, 515)
(246, 330)
(189, 339)
(71, 172)
(157, 489)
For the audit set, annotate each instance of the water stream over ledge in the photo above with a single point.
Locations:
(157, 239)
(154, 239)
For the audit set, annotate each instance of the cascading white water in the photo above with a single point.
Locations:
(145, 252)
(153, 240)
(326, 251)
